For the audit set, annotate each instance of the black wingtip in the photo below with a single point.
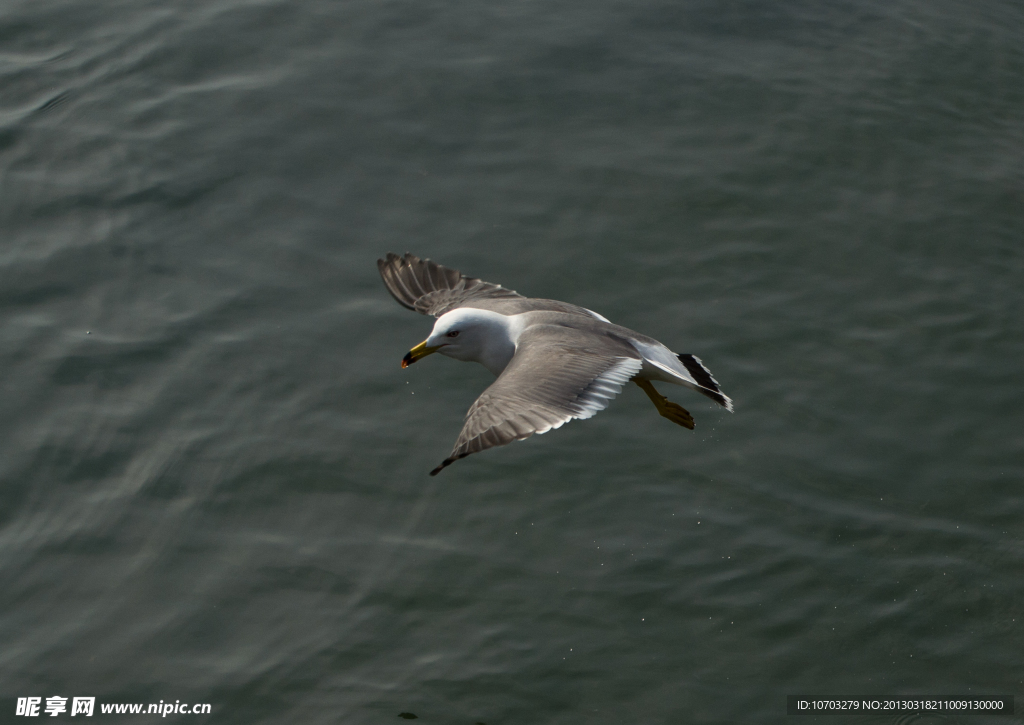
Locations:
(700, 373)
(708, 385)
(444, 464)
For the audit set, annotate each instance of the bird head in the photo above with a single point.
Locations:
(465, 334)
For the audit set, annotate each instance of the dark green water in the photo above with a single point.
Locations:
(213, 472)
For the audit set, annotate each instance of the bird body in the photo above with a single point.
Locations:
(554, 361)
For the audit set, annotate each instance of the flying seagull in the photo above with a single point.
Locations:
(554, 361)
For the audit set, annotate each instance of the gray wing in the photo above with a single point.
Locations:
(430, 289)
(557, 374)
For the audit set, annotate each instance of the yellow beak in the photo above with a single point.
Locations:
(417, 352)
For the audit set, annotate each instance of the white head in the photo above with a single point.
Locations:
(470, 334)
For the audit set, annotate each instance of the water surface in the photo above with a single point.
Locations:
(213, 472)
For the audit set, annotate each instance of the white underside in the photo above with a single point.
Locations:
(601, 391)
(606, 386)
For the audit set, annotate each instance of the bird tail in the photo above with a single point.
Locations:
(708, 384)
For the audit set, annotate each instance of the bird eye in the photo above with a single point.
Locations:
(453, 333)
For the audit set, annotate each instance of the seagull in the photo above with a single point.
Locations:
(553, 361)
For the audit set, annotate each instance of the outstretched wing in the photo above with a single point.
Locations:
(557, 374)
(430, 289)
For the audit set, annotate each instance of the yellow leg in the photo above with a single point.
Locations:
(673, 411)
